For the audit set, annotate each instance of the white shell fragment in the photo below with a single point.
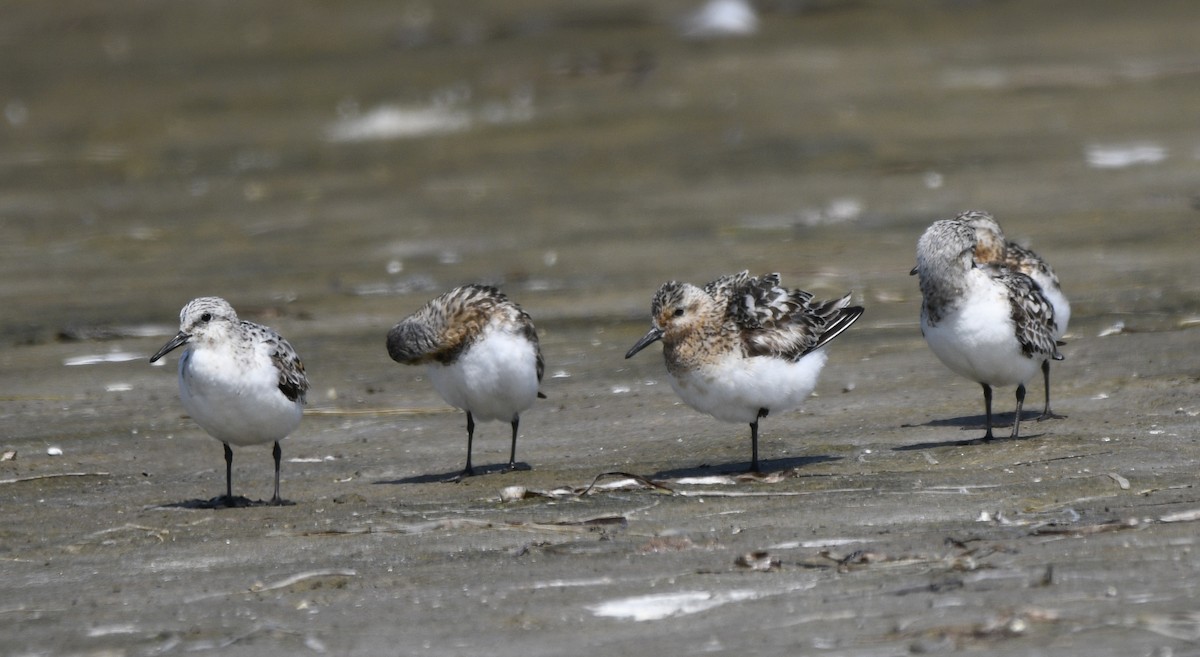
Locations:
(513, 493)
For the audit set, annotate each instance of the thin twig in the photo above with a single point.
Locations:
(1085, 530)
(638, 478)
(153, 531)
(786, 493)
(1058, 505)
(52, 476)
(300, 577)
(1060, 458)
(562, 526)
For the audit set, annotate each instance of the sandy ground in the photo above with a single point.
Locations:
(880, 529)
(151, 166)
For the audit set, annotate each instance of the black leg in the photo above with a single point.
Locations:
(228, 471)
(277, 453)
(468, 471)
(987, 409)
(1047, 413)
(1017, 419)
(754, 446)
(1046, 379)
(762, 412)
(512, 455)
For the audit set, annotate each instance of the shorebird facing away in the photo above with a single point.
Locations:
(240, 381)
(482, 355)
(984, 321)
(992, 248)
(744, 346)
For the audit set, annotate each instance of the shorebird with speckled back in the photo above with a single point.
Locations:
(482, 355)
(993, 248)
(984, 321)
(744, 346)
(240, 381)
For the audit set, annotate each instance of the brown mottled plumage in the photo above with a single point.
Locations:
(743, 346)
(482, 355)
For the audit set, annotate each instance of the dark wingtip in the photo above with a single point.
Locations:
(845, 319)
(292, 390)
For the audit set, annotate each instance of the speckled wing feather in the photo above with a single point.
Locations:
(489, 298)
(537, 348)
(1032, 313)
(462, 318)
(1026, 261)
(442, 329)
(762, 302)
(293, 382)
(724, 288)
(775, 321)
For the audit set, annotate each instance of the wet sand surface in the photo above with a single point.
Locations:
(328, 170)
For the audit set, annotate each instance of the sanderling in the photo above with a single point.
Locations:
(482, 355)
(992, 247)
(744, 346)
(984, 321)
(240, 381)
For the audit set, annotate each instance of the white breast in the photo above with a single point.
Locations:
(495, 379)
(236, 401)
(734, 388)
(978, 340)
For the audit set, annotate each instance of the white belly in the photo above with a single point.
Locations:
(236, 405)
(735, 388)
(978, 341)
(495, 379)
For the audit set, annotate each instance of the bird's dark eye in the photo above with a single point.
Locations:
(679, 312)
(206, 317)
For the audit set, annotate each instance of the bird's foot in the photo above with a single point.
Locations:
(1050, 415)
